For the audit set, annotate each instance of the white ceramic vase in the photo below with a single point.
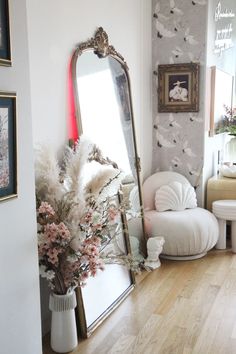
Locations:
(230, 150)
(63, 325)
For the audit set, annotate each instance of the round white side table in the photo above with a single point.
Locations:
(225, 210)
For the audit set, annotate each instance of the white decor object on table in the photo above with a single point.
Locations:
(154, 249)
(63, 325)
(230, 149)
(228, 171)
(225, 210)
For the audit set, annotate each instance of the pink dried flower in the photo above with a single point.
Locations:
(112, 213)
(96, 241)
(88, 217)
(50, 233)
(96, 227)
(52, 254)
(45, 208)
(84, 276)
(42, 249)
(93, 249)
(63, 231)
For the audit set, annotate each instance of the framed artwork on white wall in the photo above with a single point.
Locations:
(5, 44)
(8, 146)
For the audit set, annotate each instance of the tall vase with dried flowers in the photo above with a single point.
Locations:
(76, 220)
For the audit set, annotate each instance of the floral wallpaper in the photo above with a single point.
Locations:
(179, 36)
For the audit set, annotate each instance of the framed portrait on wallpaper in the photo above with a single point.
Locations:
(8, 146)
(5, 43)
(178, 87)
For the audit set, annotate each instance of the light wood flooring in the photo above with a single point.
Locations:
(181, 308)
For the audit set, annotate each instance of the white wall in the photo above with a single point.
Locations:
(20, 330)
(55, 27)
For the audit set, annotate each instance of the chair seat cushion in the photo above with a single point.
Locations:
(188, 232)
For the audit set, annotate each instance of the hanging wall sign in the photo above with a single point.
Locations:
(224, 28)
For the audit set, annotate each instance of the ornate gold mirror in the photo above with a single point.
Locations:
(105, 116)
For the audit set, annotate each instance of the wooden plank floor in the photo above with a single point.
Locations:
(181, 308)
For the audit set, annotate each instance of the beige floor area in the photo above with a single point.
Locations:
(181, 308)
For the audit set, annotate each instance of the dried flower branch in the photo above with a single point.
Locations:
(107, 180)
(74, 163)
(47, 176)
(96, 155)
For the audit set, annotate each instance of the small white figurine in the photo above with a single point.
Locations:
(154, 248)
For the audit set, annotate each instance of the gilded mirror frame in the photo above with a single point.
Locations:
(99, 45)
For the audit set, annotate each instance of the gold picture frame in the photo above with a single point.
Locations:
(178, 87)
(5, 41)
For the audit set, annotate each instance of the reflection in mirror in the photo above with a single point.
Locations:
(221, 99)
(107, 289)
(101, 110)
(105, 116)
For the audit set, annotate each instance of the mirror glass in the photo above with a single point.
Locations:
(221, 97)
(100, 106)
(105, 116)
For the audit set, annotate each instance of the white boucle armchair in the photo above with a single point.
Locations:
(189, 233)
